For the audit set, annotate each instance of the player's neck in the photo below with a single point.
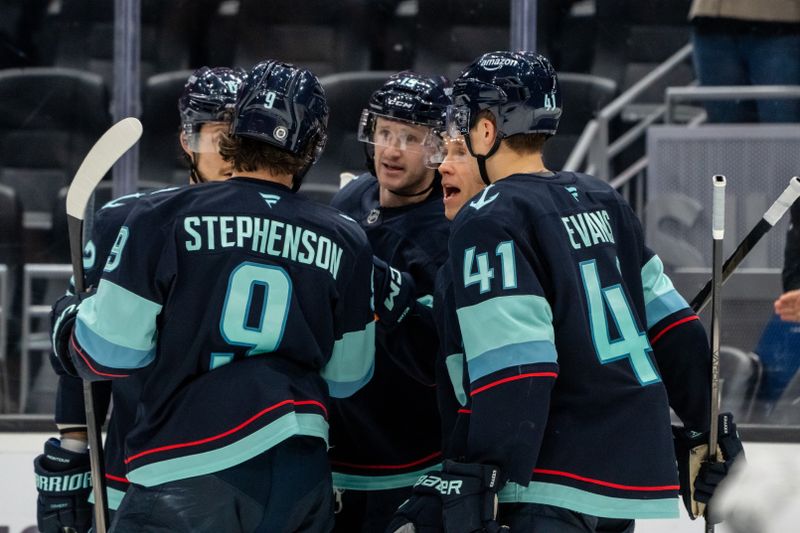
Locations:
(281, 179)
(507, 162)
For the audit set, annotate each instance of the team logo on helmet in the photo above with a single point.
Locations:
(280, 133)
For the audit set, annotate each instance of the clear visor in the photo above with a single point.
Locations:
(457, 120)
(390, 132)
(205, 140)
(447, 149)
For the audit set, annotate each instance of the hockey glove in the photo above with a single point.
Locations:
(394, 292)
(469, 497)
(422, 512)
(64, 481)
(62, 321)
(699, 477)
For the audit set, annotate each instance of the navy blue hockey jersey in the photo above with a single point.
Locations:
(385, 435)
(559, 305)
(232, 301)
(69, 398)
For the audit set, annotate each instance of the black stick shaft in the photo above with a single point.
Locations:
(75, 227)
(702, 298)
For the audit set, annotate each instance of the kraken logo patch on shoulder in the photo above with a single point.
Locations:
(373, 216)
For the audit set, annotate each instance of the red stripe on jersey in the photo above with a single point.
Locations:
(465, 411)
(117, 478)
(605, 483)
(390, 467)
(229, 432)
(85, 360)
(514, 378)
(673, 325)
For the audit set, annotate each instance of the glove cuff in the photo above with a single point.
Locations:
(60, 472)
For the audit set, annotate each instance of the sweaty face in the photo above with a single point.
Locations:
(204, 146)
(399, 158)
(461, 179)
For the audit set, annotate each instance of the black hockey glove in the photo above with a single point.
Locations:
(394, 292)
(422, 512)
(469, 497)
(62, 320)
(699, 477)
(64, 481)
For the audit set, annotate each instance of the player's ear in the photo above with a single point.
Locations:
(185, 143)
(486, 132)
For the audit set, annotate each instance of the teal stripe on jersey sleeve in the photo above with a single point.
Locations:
(455, 369)
(660, 297)
(121, 321)
(523, 353)
(588, 502)
(109, 354)
(496, 328)
(426, 300)
(352, 362)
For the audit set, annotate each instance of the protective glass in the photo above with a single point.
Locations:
(206, 141)
(457, 120)
(446, 149)
(379, 130)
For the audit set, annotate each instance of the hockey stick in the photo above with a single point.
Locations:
(717, 232)
(106, 151)
(768, 220)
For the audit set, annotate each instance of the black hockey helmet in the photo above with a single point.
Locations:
(412, 98)
(519, 88)
(284, 106)
(406, 97)
(209, 95)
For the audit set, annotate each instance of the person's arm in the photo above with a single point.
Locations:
(352, 361)
(679, 344)
(115, 331)
(507, 328)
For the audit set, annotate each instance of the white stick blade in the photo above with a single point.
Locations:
(105, 152)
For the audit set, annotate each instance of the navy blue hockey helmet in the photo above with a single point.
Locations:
(209, 95)
(519, 88)
(284, 106)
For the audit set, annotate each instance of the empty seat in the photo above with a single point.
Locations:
(320, 35)
(348, 93)
(740, 376)
(84, 36)
(51, 117)
(161, 154)
(452, 33)
(582, 96)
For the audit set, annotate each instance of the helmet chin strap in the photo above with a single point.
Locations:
(194, 173)
(483, 157)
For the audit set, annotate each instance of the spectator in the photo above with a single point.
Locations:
(742, 42)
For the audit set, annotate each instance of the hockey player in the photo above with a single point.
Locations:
(235, 300)
(573, 338)
(385, 435)
(205, 107)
